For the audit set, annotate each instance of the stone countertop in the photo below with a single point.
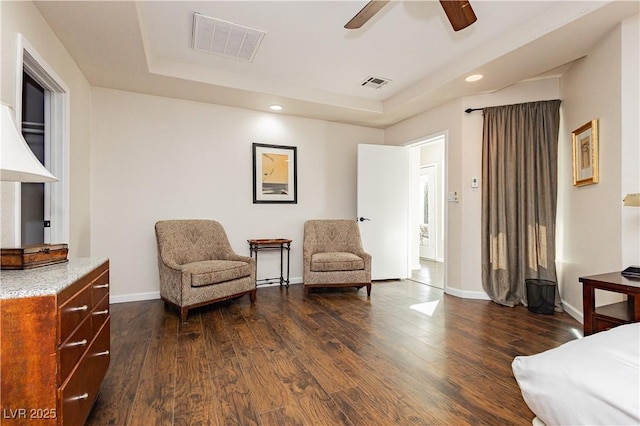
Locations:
(45, 280)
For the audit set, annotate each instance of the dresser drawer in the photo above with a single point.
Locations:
(100, 288)
(79, 393)
(72, 312)
(100, 314)
(71, 350)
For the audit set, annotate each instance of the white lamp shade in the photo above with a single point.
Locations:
(17, 161)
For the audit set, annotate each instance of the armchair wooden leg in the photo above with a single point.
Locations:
(368, 290)
(252, 297)
(183, 314)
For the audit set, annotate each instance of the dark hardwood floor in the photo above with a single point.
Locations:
(333, 358)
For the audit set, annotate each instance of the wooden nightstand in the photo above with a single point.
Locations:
(609, 316)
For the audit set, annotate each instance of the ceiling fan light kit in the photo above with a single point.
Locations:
(459, 13)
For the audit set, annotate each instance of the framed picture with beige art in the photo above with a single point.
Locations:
(585, 154)
(275, 177)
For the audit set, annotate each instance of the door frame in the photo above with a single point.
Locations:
(56, 113)
(415, 146)
(434, 216)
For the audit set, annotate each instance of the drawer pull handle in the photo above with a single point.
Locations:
(79, 308)
(105, 312)
(82, 342)
(101, 285)
(103, 353)
(79, 397)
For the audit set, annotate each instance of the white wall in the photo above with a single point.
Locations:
(23, 18)
(159, 158)
(592, 234)
(630, 164)
(443, 119)
(463, 273)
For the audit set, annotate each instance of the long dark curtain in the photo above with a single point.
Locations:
(519, 197)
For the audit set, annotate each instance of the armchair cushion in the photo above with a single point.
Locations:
(335, 261)
(209, 272)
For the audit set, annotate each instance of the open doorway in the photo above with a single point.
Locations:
(428, 211)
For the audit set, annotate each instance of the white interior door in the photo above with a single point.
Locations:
(383, 194)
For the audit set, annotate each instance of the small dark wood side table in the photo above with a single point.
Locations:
(281, 244)
(609, 316)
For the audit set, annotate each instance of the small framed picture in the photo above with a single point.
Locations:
(585, 154)
(275, 177)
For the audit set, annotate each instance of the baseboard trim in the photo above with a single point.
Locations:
(134, 297)
(573, 312)
(464, 294)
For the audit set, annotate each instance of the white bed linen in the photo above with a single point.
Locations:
(591, 381)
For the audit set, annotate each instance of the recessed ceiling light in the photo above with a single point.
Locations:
(474, 77)
(275, 107)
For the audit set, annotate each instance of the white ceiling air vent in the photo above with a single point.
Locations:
(225, 38)
(375, 82)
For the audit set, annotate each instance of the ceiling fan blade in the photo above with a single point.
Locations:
(459, 12)
(365, 14)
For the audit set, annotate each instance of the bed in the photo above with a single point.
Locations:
(590, 381)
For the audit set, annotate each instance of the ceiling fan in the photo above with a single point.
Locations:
(459, 13)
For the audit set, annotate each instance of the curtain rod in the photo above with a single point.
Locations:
(469, 110)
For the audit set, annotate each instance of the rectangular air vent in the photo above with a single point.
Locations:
(224, 38)
(375, 82)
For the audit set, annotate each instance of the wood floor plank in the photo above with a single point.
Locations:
(231, 390)
(321, 409)
(309, 349)
(217, 338)
(335, 357)
(194, 399)
(130, 342)
(400, 383)
(287, 415)
(163, 347)
(153, 404)
(268, 391)
(361, 409)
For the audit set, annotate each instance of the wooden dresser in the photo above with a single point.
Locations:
(54, 341)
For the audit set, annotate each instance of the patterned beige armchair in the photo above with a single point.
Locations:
(198, 266)
(333, 255)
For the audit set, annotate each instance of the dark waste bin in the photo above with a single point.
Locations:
(541, 295)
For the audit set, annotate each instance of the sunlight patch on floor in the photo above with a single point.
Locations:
(576, 333)
(427, 308)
